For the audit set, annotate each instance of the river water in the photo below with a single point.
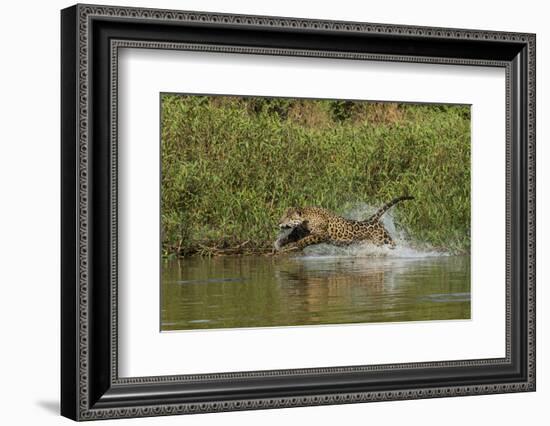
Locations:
(309, 289)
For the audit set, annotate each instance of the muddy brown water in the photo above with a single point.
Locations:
(262, 291)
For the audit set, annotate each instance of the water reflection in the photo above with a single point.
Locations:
(248, 291)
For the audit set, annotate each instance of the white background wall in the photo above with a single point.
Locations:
(29, 211)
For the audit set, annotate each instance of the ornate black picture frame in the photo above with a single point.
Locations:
(91, 388)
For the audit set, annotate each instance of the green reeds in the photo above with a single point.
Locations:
(232, 165)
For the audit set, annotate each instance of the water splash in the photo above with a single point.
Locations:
(405, 248)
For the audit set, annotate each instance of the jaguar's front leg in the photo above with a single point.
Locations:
(311, 240)
(304, 242)
(289, 247)
(289, 236)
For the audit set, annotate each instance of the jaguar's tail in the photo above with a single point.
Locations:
(376, 216)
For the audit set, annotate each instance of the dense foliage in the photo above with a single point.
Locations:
(232, 165)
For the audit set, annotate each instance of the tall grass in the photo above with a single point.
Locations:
(232, 165)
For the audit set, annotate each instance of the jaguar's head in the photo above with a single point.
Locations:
(292, 218)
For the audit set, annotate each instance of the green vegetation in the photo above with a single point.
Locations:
(232, 165)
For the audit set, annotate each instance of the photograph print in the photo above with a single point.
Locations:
(281, 212)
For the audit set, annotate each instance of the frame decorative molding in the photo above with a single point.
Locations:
(91, 387)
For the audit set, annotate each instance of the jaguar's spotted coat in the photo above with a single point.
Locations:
(306, 226)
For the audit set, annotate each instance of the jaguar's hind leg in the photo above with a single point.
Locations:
(387, 239)
(389, 242)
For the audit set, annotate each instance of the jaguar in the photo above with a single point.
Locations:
(304, 226)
